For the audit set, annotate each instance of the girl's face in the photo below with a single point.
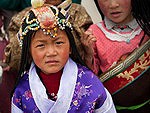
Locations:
(118, 11)
(50, 54)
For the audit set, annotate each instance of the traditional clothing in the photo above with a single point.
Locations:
(126, 66)
(80, 91)
(125, 78)
(110, 46)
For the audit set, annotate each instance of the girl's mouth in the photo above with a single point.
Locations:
(115, 14)
(52, 62)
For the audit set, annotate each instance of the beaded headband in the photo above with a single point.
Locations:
(46, 18)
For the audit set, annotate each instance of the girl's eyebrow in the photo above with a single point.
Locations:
(57, 38)
(40, 40)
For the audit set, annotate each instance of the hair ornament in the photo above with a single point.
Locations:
(37, 3)
(48, 18)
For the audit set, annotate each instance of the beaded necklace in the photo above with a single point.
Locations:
(128, 37)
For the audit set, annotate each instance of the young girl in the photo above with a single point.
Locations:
(118, 31)
(51, 77)
(121, 51)
(78, 18)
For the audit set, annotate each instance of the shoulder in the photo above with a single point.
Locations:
(23, 85)
(15, 22)
(20, 91)
(87, 77)
(76, 7)
(99, 30)
(90, 86)
(79, 16)
(96, 26)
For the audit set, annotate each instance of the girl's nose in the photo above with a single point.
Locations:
(51, 51)
(113, 4)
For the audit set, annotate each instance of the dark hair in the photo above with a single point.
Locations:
(97, 5)
(141, 12)
(25, 64)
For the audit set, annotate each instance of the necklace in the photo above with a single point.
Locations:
(116, 36)
(126, 36)
(52, 96)
(121, 26)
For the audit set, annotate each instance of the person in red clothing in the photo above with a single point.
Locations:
(120, 47)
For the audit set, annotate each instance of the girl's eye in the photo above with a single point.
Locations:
(59, 42)
(40, 45)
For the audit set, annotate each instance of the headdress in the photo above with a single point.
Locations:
(47, 17)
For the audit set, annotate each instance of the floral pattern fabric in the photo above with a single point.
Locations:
(89, 94)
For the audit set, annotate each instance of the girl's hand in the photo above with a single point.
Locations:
(88, 40)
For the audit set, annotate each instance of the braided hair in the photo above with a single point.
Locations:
(141, 12)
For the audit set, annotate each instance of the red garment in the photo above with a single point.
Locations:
(108, 52)
(51, 81)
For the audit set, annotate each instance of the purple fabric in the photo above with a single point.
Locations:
(89, 94)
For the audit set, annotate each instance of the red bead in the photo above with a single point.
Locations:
(125, 26)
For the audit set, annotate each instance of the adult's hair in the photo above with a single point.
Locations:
(25, 56)
(141, 12)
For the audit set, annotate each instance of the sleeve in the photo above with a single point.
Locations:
(96, 61)
(13, 49)
(81, 21)
(14, 108)
(95, 65)
(108, 105)
(79, 18)
(16, 100)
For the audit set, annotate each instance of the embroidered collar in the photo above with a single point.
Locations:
(109, 24)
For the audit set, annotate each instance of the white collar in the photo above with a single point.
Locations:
(119, 36)
(110, 24)
(65, 92)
